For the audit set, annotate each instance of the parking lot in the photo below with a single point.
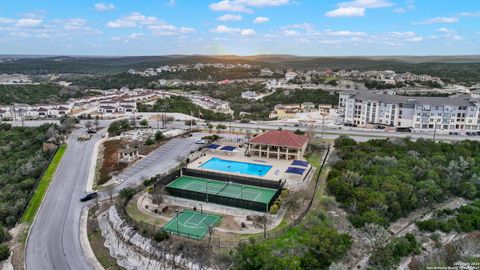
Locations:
(159, 161)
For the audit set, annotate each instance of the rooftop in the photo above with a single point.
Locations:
(280, 138)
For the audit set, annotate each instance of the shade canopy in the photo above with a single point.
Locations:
(213, 146)
(301, 163)
(294, 170)
(228, 148)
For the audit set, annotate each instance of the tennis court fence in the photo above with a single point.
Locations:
(219, 199)
(223, 243)
(234, 178)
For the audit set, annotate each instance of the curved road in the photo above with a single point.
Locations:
(54, 241)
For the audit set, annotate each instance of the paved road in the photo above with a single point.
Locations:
(54, 237)
(159, 161)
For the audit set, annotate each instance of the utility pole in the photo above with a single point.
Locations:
(434, 131)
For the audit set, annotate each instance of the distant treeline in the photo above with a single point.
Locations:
(461, 71)
(40, 93)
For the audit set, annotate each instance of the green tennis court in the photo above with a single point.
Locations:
(225, 189)
(192, 224)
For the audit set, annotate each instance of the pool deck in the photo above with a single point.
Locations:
(276, 173)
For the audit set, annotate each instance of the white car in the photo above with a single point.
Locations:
(200, 141)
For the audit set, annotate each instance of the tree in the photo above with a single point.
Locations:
(159, 136)
(127, 193)
(4, 252)
(292, 202)
(144, 123)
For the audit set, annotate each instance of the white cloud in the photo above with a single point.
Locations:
(399, 10)
(248, 32)
(439, 20)
(6, 20)
(104, 6)
(261, 20)
(28, 22)
(135, 19)
(291, 33)
(152, 23)
(356, 8)
(223, 29)
(186, 30)
(346, 12)
(444, 30)
(230, 17)
(227, 5)
(410, 6)
(245, 6)
(345, 33)
(366, 4)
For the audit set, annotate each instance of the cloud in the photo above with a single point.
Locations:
(247, 32)
(346, 12)
(223, 29)
(135, 19)
(410, 6)
(439, 20)
(245, 6)
(356, 8)
(152, 23)
(261, 20)
(291, 33)
(104, 6)
(367, 4)
(230, 17)
(26, 22)
(186, 30)
(444, 30)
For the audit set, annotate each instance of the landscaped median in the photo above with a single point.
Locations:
(42, 186)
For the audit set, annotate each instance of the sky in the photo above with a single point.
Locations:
(240, 27)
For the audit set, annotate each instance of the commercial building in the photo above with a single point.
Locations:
(279, 144)
(366, 109)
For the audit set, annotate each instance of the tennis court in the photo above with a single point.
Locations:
(192, 224)
(225, 189)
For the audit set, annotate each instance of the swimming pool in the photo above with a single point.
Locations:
(228, 166)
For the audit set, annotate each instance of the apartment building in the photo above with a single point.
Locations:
(458, 113)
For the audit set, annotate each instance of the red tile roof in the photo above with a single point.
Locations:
(280, 138)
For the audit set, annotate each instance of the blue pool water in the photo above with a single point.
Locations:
(228, 166)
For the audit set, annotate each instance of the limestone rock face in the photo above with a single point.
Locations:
(133, 251)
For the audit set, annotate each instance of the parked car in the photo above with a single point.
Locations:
(469, 133)
(88, 196)
(453, 133)
(200, 141)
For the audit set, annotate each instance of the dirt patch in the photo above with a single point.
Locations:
(110, 162)
(17, 245)
(228, 222)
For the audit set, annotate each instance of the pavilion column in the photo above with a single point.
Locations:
(287, 154)
(260, 150)
(278, 152)
(268, 151)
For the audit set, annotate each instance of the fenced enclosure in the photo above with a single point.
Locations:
(221, 242)
(259, 182)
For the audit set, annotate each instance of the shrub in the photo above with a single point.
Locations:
(274, 209)
(127, 193)
(161, 236)
(149, 141)
(159, 136)
(4, 252)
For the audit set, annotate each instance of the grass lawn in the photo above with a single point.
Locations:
(42, 187)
